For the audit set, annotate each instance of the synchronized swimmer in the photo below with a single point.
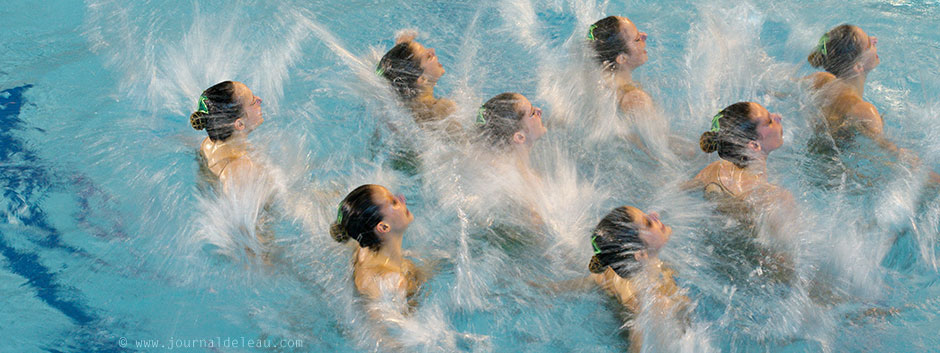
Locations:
(627, 241)
(228, 111)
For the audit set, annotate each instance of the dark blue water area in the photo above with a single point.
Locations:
(27, 180)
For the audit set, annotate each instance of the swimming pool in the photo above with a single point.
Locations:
(111, 243)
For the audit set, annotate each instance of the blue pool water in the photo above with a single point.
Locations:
(110, 241)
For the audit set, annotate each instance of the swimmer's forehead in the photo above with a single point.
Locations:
(627, 27)
(758, 112)
(381, 195)
(523, 105)
(243, 93)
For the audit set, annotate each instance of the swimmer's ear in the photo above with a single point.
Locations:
(422, 80)
(641, 255)
(239, 124)
(858, 68)
(518, 137)
(382, 227)
(753, 145)
(621, 59)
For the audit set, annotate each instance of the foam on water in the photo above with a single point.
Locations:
(260, 261)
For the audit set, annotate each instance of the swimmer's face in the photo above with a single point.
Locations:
(651, 229)
(432, 70)
(769, 128)
(532, 126)
(393, 209)
(635, 44)
(869, 58)
(251, 107)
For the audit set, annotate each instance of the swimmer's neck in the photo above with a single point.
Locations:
(758, 167)
(623, 77)
(522, 152)
(426, 96)
(856, 82)
(391, 250)
(235, 144)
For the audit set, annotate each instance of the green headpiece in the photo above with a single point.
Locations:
(480, 119)
(203, 108)
(597, 250)
(379, 71)
(821, 47)
(339, 214)
(716, 125)
(590, 35)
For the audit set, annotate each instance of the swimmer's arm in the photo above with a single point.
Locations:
(870, 124)
(636, 340)
(571, 285)
(693, 184)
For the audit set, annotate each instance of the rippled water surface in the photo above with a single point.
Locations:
(111, 241)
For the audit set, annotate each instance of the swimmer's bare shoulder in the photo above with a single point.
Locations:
(371, 281)
(619, 287)
(708, 175)
(819, 79)
(444, 107)
(238, 169)
(865, 117)
(635, 98)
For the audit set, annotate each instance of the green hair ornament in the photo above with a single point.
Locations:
(716, 125)
(821, 47)
(480, 119)
(202, 108)
(379, 71)
(339, 214)
(597, 250)
(590, 35)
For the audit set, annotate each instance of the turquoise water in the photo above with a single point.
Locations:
(112, 243)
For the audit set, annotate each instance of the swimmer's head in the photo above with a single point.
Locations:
(227, 108)
(369, 214)
(409, 67)
(742, 132)
(509, 119)
(624, 237)
(845, 50)
(617, 43)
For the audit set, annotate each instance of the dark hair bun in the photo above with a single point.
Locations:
(338, 233)
(595, 266)
(198, 120)
(708, 142)
(815, 58)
